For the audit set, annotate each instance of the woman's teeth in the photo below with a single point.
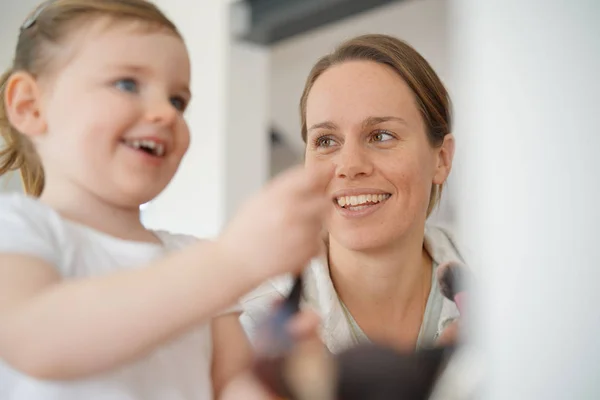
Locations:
(361, 200)
(149, 146)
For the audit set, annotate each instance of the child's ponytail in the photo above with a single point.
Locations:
(16, 153)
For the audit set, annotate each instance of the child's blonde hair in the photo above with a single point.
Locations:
(49, 25)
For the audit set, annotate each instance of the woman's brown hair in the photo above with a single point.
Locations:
(49, 25)
(430, 94)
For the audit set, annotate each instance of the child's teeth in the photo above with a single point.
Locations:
(158, 149)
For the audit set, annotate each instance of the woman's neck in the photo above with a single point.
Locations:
(384, 289)
(85, 208)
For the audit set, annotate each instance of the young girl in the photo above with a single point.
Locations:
(92, 304)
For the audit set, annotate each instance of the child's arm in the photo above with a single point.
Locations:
(63, 329)
(57, 329)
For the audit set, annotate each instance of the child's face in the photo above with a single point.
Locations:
(114, 114)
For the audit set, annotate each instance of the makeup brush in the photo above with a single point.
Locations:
(372, 372)
(377, 372)
(274, 340)
(274, 331)
(308, 371)
(454, 279)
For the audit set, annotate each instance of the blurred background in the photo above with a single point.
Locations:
(270, 47)
(524, 193)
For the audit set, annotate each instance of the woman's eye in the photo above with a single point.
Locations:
(324, 141)
(382, 136)
(127, 85)
(179, 103)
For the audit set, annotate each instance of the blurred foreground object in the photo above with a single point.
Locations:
(526, 95)
(364, 372)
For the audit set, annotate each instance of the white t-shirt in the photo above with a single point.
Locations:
(179, 370)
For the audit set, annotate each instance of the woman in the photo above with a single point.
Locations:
(375, 112)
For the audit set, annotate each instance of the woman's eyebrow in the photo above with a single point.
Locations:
(370, 121)
(326, 125)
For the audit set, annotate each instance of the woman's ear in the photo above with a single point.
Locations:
(445, 155)
(22, 100)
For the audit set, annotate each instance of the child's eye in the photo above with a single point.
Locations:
(382, 136)
(127, 85)
(179, 103)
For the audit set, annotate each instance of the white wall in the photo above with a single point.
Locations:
(247, 126)
(422, 23)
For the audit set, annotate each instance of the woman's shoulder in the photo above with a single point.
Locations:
(259, 300)
(315, 277)
(444, 245)
(257, 304)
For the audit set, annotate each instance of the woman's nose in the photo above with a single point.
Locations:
(353, 162)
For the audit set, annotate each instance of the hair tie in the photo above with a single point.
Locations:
(32, 19)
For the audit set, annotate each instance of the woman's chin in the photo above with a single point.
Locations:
(368, 238)
(360, 241)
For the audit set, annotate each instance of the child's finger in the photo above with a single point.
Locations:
(305, 325)
(450, 335)
(315, 208)
(320, 178)
(307, 182)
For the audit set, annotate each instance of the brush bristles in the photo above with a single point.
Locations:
(451, 277)
(381, 373)
(364, 372)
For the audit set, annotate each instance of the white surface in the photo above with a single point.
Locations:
(527, 74)
(247, 126)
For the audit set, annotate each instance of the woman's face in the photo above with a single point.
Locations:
(363, 121)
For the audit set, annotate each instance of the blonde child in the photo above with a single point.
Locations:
(92, 304)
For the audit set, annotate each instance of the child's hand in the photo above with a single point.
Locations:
(304, 328)
(450, 336)
(278, 230)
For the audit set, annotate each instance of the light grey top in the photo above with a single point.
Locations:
(339, 330)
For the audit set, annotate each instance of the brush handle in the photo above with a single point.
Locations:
(273, 334)
(460, 300)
